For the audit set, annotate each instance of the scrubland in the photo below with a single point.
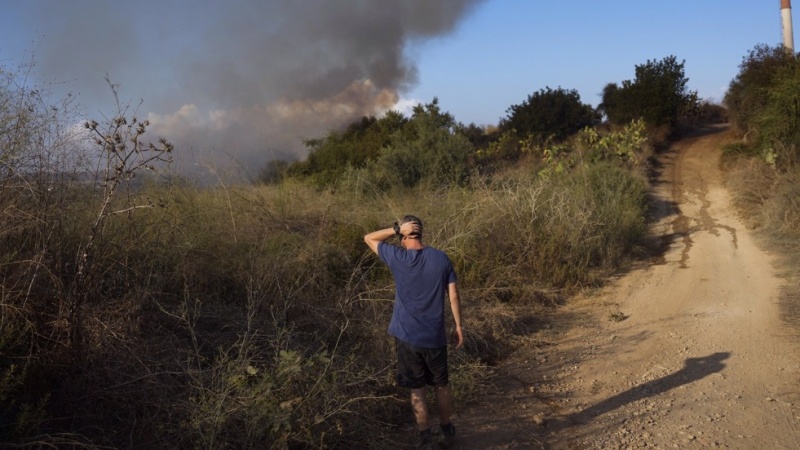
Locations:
(167, 315)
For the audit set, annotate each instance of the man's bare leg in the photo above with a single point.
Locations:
(420, 407)
(443, 403)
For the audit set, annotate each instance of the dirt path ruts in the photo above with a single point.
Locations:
(687, 352)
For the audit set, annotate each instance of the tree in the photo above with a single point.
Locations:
(354, 146)
(549, 113)
(778, 123)
(658, 94)
(748, 93)
(428, 148)
(764, 103)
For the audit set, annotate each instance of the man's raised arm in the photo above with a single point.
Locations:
(376, 237)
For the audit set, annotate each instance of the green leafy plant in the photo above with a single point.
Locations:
(658, 94)
(628, 146)
(553, 113)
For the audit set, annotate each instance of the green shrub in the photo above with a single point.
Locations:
(658, 95)
(549, 113)
(778, 122)
(749, 92)
(427, 150)
(355, 146)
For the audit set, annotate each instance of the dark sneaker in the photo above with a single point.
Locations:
(448, 434)
(425, 440)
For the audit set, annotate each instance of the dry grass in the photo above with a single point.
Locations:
(751, 183)
(255, 317)
(768, 200)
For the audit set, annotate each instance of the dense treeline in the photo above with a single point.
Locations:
(163, 315)
(388, 150)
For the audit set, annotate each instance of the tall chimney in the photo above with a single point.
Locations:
(786, 25)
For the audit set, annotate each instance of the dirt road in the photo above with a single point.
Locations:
(688, 351)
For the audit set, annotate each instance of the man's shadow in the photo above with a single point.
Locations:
(693, 369)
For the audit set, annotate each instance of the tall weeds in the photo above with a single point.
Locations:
(255, 317)
(274, 334)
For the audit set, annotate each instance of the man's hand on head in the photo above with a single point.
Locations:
(409, 228)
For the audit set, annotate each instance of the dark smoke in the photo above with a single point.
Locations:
(244, 79)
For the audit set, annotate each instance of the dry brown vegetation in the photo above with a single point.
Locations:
(138, 310)
(142, 311)
(767, 199)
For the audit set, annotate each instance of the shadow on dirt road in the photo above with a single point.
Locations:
(693, 369)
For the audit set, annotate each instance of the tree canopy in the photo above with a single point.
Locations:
(658, 94)
(549, 113)
(354, 146)
(427, 148)
(393, 150)
(764, 72)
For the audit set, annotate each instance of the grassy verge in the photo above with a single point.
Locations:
(767, 196)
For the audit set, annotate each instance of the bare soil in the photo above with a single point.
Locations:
(689, 350)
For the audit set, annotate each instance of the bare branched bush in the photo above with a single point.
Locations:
(123, 153)
(38, 155)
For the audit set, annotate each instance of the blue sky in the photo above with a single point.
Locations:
(248, 80)
(507, 50)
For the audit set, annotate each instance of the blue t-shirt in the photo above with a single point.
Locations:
(421, 278)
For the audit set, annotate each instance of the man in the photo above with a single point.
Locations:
(423, 276)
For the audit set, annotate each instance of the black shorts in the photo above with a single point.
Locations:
(417, 367)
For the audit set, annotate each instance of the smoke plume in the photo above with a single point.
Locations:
(243, 80)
